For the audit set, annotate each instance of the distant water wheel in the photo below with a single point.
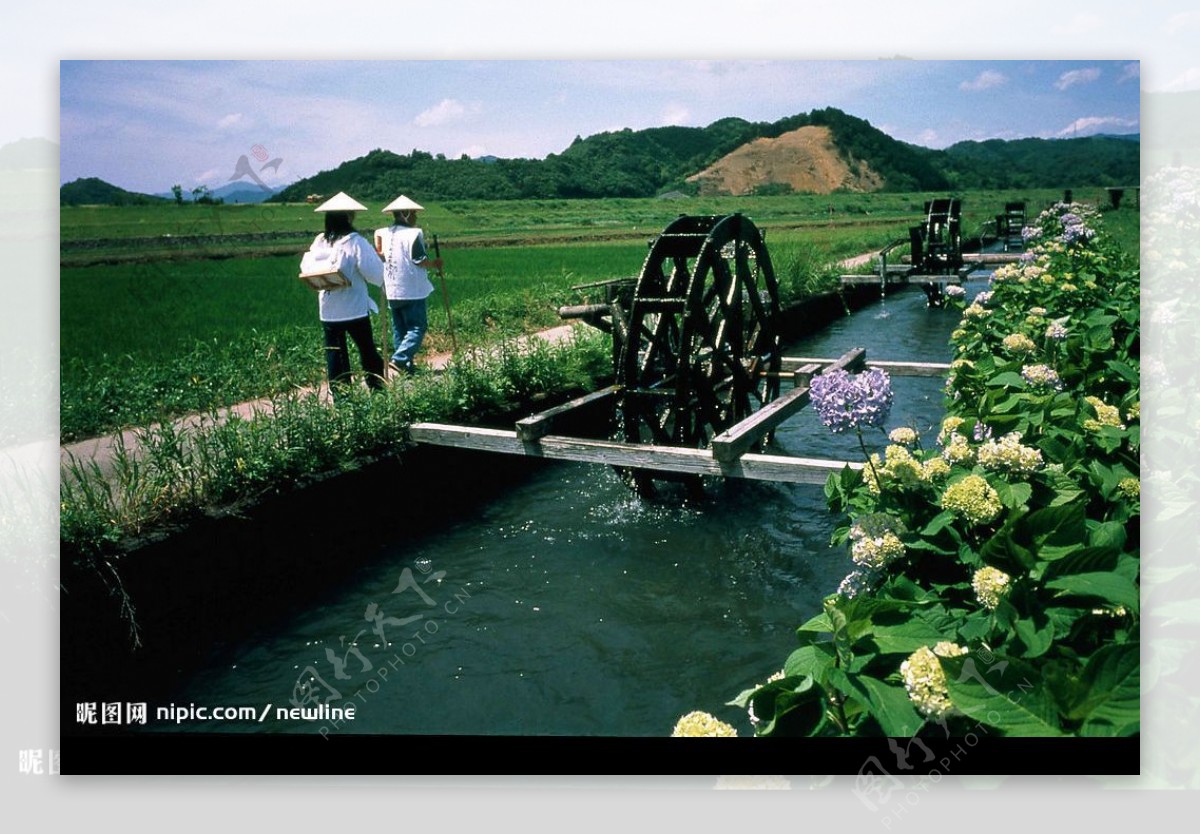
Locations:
(699, 350)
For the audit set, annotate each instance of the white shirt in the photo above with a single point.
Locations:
(402, 277)
(357, 260)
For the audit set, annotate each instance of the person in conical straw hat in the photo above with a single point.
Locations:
(406, 280)
(346, 310)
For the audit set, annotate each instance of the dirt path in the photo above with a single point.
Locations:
(101, 450)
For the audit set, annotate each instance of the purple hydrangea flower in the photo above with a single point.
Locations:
(845, 401)
(1077, 231)
(1042, 377)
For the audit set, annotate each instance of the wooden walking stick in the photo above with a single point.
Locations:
(384, 314)
(437, 253)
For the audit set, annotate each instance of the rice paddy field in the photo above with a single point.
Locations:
(168, 310)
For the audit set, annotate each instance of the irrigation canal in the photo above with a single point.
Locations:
(569, 606)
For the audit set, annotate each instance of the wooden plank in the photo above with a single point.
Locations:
(852, 360)
(912, 369)
(991, 257)
(900, 369)
(803, 375)
(909, 279)
(734, 441)
(535, 426)
(780, 468)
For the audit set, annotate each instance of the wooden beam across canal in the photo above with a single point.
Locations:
(727, 456)
(903, 274)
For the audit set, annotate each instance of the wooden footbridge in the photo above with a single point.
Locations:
(697, 366)
(935, 256)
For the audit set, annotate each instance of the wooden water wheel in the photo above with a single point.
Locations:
(698, 349)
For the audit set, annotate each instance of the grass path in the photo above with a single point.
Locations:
(100, 450)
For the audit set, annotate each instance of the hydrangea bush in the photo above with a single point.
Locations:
(995, 570)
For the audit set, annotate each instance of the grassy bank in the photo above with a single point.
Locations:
(178, 473)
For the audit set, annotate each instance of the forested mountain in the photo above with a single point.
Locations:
(624, 163)
(1036, 163)
(645, 163)
(92, 191)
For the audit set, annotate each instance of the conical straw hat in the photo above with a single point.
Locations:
(402, 204)
(341, 202)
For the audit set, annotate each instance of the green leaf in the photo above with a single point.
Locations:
(812, 660)
(937, 523)
(1110, 587)
(1126, 371)
(1002, 550)
(888, 705)
(1037, 640)
(1008, 378)
(1113, 695)
(775, 701)
(1013, 496)
(1108, 534)
(1082, 561)
(1006, 695)
(817, 624)
(906, 637)
(1062, 525)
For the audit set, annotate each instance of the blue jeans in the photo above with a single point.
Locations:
(410, 320)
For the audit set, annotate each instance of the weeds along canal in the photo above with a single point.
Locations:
(568, 605)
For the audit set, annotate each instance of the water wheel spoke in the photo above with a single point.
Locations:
(702, 334)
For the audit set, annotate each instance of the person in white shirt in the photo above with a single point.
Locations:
(347, 310)
(405, 280)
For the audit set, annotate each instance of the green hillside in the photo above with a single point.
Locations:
(1042, 163)
(92, 191)
(643, 163)
(624, 163)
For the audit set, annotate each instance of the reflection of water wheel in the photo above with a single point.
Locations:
(701, 339)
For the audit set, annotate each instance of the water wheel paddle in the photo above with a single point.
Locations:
(698, 350)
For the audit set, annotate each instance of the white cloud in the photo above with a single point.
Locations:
(473, 151)
(1090, 123)
(445, 112)
(211, 175)
(229, 121)
(928, 137)
(1133, 70)
(984, 81)
(1073, 77)
(675, 114)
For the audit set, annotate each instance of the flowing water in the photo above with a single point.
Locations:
(569, 606)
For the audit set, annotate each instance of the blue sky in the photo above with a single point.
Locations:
(145, 125)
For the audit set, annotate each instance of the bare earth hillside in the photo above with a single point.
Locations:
(806, 159)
